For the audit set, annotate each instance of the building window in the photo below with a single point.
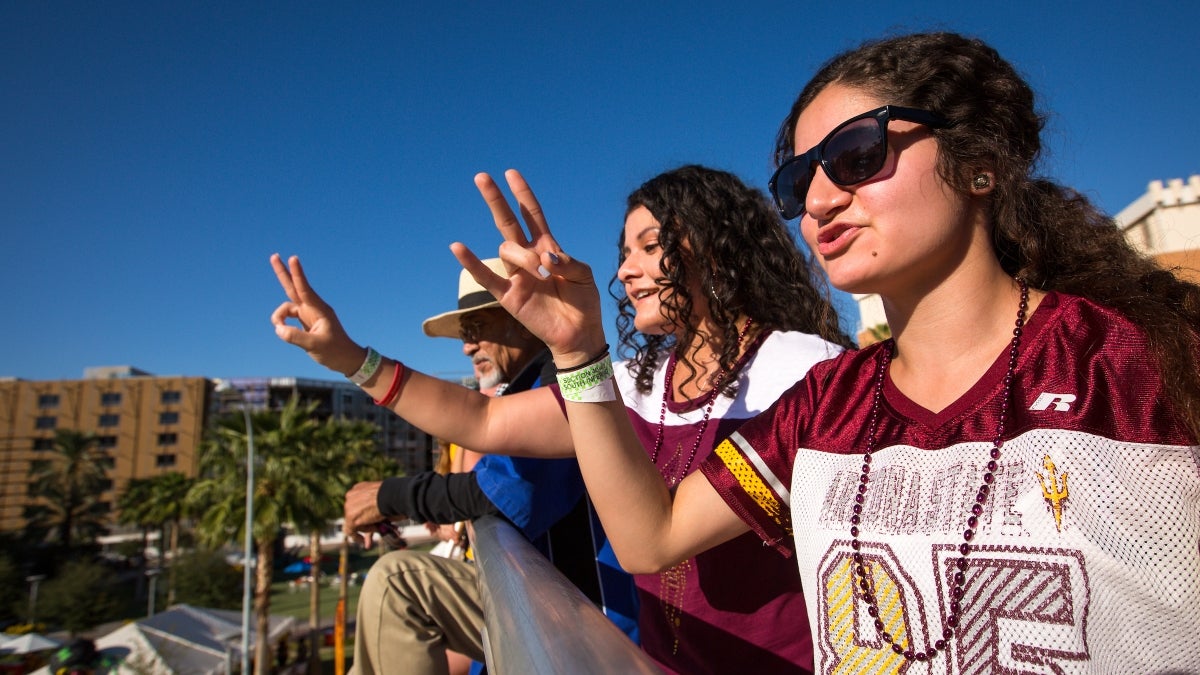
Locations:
(168, 418)
(110, 398)
(45, 422)
(165, 460)
(48, 401)
(110, 420)
(168, 439)
(106, 462)
(43, 444)
(106, 441)
(106, 485)
(172, 396)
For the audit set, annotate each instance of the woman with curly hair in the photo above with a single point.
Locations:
(714, 338)
(1011, 483)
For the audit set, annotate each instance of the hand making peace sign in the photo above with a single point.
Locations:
(551, 293)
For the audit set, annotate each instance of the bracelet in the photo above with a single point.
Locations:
(590, 383)
(367, 369)
(394, 390)
(592, 361)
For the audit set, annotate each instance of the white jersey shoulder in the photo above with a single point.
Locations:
(781, 361)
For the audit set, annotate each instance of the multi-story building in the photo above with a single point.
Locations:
(148, 425)
(145, 426)
(1163, 223)
(408, 445)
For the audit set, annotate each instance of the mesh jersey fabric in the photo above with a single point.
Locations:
(1085, 558)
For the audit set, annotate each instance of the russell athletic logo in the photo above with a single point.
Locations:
(1060, 402)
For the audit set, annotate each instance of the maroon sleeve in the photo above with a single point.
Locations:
(752, 469)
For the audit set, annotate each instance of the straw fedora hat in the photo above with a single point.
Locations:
(471, 296)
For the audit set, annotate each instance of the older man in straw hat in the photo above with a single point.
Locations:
(415, 606)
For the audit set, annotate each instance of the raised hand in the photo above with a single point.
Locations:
(320, 333)
(548, 291)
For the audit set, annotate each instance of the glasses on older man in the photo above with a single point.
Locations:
(474, 326)
(852, 153)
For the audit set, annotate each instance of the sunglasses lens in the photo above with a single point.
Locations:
(791, 186)
(468, 332)
(856, 152)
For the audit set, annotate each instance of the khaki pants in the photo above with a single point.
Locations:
(413, 607)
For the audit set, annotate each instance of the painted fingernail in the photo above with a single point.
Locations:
(543, 271)
(554, 258)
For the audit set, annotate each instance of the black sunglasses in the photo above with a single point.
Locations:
(474, 326)
(850, 154)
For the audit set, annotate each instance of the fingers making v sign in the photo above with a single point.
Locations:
(552, 294)
(320, 333)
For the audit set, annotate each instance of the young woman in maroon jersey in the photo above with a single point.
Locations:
(1010, 483)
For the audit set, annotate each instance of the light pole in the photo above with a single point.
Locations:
(153, 574)
(247, 598)
(34, 580)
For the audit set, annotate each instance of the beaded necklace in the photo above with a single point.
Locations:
(673, 581)
(708, 408)
(861, 571)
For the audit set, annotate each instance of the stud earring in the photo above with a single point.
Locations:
(981, 182)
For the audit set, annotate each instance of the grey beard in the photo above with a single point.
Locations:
(492, 379)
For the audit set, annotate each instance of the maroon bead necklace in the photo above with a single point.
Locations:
(861, 571)
(708, 408)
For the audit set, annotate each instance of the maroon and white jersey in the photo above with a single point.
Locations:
(706, 614)
(1086, 558)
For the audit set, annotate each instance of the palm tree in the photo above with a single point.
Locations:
(168, 496)
(879, 333)
(133, 508)
(341, 448)
(68, 487)
(289, 487)
(157, 501)
(367, 464)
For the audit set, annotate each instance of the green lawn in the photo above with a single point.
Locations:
(288, 602)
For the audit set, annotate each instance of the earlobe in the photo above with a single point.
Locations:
(982, 183)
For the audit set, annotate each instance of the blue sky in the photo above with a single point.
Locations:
(154, 154)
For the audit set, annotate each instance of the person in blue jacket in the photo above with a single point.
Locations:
(415, 606)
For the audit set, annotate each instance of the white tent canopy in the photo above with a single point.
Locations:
(27, 643)
(183, 639)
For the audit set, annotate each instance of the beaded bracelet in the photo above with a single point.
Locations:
(367, 369)
(394, 390)
(591, 383)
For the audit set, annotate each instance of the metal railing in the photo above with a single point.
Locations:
(535, 621)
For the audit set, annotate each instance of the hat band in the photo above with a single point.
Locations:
(475, 299)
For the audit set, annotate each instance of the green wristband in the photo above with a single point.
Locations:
(592, 383)
(368, 367)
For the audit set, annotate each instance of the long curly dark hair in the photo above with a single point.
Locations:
(1046, 233)
(741, 253)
